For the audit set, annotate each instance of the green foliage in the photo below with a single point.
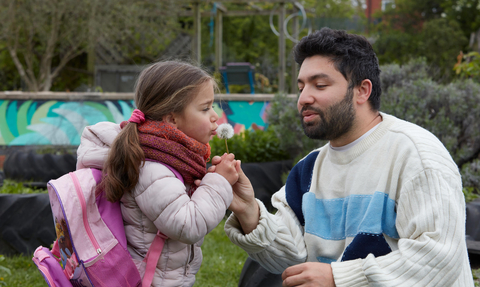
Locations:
(438, 41)
(394, 75)
(23, 272)
(442, 40)
(468, 66)
(252, 146)
(13, 187)
(476, 277)
(466, 12)
(9, 78)
(408, 16)
(335, 8)
(4, 271)
(395, 46)
(469, 194)
(471, 176)
(284, 120)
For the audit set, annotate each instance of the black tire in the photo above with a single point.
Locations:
(473, 231)
(40, 168)
(10, 167)
(26, 222)
(266, 178)
(254, 275)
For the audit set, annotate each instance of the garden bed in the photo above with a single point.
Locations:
(26, 219)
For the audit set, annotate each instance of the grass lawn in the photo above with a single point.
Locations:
(222, 264)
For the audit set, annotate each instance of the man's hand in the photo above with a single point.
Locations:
(310, 274)
(243, 204)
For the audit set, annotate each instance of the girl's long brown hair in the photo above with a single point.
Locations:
(162, 88)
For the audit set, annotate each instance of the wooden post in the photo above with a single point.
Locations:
(197, 20)
(281, 49)
(294, 68)
(219, 36)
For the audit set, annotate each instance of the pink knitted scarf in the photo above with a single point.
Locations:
(166, 144)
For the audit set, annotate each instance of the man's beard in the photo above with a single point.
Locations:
(334, 122)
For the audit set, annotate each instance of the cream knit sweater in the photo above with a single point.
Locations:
(388, 212)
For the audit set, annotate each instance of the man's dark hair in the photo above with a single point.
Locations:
(352, 55)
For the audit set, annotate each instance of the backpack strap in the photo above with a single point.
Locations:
(156, 248)
(152, 257)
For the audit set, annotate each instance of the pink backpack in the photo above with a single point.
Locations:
(91, 247)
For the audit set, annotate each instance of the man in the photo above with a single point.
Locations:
(381, 204)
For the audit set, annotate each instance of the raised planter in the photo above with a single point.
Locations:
(26, 220)
(25, 223)
(38, 169)
(473, 227)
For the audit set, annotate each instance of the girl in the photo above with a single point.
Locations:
(170, 128)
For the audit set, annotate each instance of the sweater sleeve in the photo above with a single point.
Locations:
(180, 217)
(277, 242)
(431, 249)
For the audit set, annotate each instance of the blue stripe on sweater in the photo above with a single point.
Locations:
(298, 183)
(336, 219)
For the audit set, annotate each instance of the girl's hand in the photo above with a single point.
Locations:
(227, 168)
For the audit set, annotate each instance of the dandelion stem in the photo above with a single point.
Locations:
(226, 145)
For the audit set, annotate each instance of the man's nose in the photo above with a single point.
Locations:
(305, 98)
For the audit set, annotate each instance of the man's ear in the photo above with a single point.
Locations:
(363, 91)
(170, 119)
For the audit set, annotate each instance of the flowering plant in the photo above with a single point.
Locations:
(225, 131)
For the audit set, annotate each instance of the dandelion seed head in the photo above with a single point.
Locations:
(225, 131)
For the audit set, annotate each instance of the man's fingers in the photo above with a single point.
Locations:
(292, 276)
(238, 166)
(292, 270)
(197, 182)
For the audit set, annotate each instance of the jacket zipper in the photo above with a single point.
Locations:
(81, 197)
(190, 256)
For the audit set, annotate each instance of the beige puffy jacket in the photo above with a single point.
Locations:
(159, 201)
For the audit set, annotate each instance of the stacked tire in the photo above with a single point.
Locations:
(266, 178)
(37, 169)
(25, 223)
(26, 219)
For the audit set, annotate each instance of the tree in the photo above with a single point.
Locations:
(43, 36)
(467, 14)
(442, 41)
(409, 15)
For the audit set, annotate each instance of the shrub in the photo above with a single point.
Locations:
(252, 146)
(13, 187)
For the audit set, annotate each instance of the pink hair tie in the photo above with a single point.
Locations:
(137, 117)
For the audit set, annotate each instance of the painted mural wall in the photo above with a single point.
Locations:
(52, 122)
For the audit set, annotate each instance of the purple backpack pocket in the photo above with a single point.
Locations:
(50, 267)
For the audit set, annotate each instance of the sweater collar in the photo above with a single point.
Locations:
(345, 157)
